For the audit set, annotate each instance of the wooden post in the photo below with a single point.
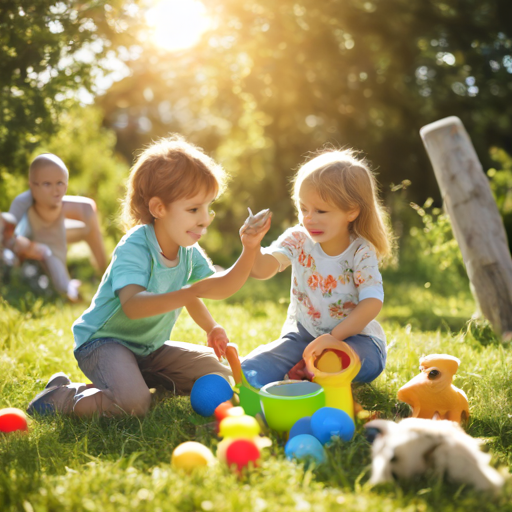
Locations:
(476, 222)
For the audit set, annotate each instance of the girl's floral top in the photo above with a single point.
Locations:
(325, 289)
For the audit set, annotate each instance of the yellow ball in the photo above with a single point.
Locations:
(190, 455)
(245, 427)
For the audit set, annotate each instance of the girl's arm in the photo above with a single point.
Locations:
(216, 335)
(357, 319)
(224, 284)
(137, 302)
(265, 266)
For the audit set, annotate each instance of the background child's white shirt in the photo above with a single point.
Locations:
(325, 289)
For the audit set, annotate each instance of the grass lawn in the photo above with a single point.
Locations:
(123, 464)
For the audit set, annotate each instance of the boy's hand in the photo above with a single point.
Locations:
(255, 228)
(218, 340)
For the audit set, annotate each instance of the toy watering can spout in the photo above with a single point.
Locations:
(249, 396)
(334, 366)
(234, 362)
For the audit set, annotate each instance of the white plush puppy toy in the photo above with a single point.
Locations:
(415, 446)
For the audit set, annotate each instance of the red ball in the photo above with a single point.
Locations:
(241, 452)
(12, 419)
(221, 410)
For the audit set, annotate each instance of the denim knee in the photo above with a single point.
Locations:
(372, 353)
(271, 362)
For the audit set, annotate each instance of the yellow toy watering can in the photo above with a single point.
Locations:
(334, 366)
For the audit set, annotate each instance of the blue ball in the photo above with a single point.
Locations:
(302, 426)
(208, 392)
(305, 448)
(329, 422)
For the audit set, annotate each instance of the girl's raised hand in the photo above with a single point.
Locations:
(255, 228)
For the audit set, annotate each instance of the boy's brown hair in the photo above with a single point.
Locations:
(170, 169)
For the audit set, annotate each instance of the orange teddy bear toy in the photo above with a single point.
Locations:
(432, 395)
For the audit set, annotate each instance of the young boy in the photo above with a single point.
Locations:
(48, 220)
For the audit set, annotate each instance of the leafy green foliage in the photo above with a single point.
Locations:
(501, 186)
(481, 330)
(270, 83)
(95, 170)
(48, 51)
(436, 252)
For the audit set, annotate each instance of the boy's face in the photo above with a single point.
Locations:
(49, 185)
(186, 219)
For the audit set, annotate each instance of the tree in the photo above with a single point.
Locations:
(363, 73)
(272, 81)
(48, 51)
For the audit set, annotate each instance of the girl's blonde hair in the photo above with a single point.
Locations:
(170, 169)
(346, 182)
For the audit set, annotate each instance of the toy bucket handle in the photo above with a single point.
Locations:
(234, 362)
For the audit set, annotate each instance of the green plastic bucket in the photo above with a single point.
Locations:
(287, 401)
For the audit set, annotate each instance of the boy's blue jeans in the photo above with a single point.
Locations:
(271, 362)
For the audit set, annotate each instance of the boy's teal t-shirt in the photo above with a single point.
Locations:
(137, 259)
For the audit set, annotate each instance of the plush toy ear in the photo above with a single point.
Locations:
(376, 428)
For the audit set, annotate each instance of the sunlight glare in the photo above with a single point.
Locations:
(177, 24)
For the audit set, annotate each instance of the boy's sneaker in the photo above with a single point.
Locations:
(43, 404)
(58, 379)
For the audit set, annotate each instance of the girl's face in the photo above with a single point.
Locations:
(182, 222)
(325, 223)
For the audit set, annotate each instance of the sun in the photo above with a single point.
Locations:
(177, 24)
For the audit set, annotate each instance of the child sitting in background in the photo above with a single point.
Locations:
(336, 284)
(121, 340)
(48, 220)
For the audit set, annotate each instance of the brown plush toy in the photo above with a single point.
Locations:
(432, 395)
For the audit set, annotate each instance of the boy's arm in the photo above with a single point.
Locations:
(26, 249)
(19, 244)
(357, 319)
(137, 302)
(84, 209)
(216, 335)
(224, 284)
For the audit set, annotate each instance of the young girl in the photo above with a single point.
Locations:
(336, 284)
(121, 340)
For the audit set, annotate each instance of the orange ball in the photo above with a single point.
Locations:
(12, 419)
(242, 452)
(221, 410)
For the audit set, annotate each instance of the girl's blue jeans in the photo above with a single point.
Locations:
(271, 362)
